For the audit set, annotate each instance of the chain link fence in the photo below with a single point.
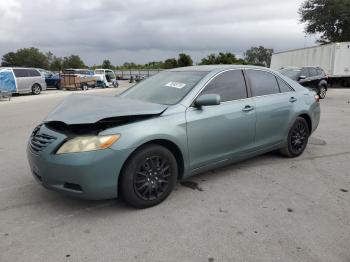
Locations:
(126, 74)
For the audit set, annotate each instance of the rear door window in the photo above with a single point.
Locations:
(230, 85)
(305, 72)
(313, 72)
(33, 72)
(262, 83)
(20, 72)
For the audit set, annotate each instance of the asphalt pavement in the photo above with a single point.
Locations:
(269, 208)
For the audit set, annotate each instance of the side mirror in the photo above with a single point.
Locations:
(208, 100)
(302, 77)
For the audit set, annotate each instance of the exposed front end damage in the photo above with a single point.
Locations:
(94, 128)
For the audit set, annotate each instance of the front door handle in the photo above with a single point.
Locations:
(292, 99)
(248, 108)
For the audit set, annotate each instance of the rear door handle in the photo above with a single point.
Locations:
(248, 108)
(292, 99)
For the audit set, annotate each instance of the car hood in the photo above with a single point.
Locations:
(89, 109)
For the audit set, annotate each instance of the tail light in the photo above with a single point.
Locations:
(317, 98)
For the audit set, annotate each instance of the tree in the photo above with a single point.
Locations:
(209, 60)
(154, 65)
(130, 65)
(107, 64)
(29, 57)
(56, 64)
(259, 56)
(184, 60)
(73, 61)
(49, 56)
(330, 18)
(170, 63)
(221, 58)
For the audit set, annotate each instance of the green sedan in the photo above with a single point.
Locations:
(171, 126)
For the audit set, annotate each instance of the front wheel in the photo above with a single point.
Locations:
(297, 139)
(149, 176)
(322, 92)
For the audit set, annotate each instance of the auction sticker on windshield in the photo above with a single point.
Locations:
(176, 85)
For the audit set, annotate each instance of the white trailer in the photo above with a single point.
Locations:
(333, 58)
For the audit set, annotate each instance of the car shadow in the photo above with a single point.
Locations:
(193, 182)
(57, 202)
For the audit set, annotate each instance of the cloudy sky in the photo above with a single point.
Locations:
(149, 30)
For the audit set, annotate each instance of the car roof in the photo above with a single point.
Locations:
(209, 68)
(18, 67)
(301, 67)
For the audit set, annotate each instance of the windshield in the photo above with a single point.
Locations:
(99, 72)
(166, 88)
(291, 73)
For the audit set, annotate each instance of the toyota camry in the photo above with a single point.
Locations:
(171, 126)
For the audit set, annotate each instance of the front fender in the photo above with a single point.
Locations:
(171, 128)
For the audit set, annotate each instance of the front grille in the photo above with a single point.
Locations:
(39, 141)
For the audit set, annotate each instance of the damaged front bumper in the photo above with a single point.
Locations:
(90, 175)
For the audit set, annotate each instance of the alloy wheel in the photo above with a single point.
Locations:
(152, 178)
(299, 137)
(323, 92)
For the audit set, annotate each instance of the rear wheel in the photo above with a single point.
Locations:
(148, 177)
(36, 89)
(84, 87)
(322, 92)
(297, 139)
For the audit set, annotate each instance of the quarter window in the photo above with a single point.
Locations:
(320, 72)
(230, 85)
(262, 83)
(284, 87)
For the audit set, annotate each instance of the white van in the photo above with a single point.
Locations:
(106, 78)
(21, 80)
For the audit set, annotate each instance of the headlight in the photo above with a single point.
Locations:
(87, 143)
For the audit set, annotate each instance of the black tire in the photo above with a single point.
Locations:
(322, 92)
(36, 89)
(297, 139)
(84, 87)
(148, 177)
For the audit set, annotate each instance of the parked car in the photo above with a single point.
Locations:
(170, 126)
(106, 78)
(22, 80)
(311, 77)
(51, 79)
(333, 58)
